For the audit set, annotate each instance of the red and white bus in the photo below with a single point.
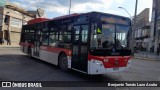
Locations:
(92, 43)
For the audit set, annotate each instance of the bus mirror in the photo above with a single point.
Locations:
(99, 31)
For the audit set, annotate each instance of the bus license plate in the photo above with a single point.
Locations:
(116, 69)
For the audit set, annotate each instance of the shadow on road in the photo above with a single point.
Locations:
(14, 62)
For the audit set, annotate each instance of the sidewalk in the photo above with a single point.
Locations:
(147, 56)
(12, 45)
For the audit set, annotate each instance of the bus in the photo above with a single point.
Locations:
(91, 43)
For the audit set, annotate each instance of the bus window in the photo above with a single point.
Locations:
(31, 36)
(121, 36)
(53, 38)
(69, 28)
(45, 36)
(84, 33)
(77, 31)
(60, 35)
(94, 36)
(67, 36)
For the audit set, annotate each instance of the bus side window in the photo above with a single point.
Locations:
(53, 38)
(84, 33)
(60, 36)
(67, 36)
(45, 36)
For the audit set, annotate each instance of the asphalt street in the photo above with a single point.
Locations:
(17, 66)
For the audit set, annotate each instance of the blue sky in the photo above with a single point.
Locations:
(54, 8)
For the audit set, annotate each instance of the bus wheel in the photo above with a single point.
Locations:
(63, 62)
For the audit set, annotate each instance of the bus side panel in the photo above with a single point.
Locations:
(48, 56)
(24, 49)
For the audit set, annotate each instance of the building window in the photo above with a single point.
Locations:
(15, 22)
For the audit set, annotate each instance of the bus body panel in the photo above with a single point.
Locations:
(98, 67)
(50, 54)
(48, 57)
(112, 61)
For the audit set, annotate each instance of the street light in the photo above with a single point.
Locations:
(126, 11)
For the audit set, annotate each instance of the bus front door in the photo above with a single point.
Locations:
(80, 48)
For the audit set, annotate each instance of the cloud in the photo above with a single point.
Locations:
(91, 6)
(119, 1)
(61, 7)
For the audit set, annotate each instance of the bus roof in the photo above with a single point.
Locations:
(38, 20)
(65, 16)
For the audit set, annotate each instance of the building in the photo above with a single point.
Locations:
(154, 42)
(142, 32)
(12, 18)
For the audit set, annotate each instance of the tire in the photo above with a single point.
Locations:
(63, 62)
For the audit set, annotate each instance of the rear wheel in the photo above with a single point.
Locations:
(63, 62)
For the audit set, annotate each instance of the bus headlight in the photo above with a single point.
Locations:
(98, 63)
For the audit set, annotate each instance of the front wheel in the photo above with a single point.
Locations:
(63, 62)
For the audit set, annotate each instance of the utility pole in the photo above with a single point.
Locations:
(70, 7)
(134, 27)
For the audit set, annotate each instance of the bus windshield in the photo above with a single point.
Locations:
(111, 36)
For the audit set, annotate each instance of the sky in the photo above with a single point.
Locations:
(54, 8)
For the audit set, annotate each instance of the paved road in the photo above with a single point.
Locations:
(16, 66)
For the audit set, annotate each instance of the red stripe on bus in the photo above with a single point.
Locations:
(37, 20)
(26, 44)
(56, 50)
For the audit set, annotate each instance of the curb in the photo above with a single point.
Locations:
(148, 59)
(12, 45)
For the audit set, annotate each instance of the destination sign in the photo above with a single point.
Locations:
(115, 20)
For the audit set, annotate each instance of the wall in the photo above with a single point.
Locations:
(15, 23)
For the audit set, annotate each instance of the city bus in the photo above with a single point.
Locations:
(91, 43)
